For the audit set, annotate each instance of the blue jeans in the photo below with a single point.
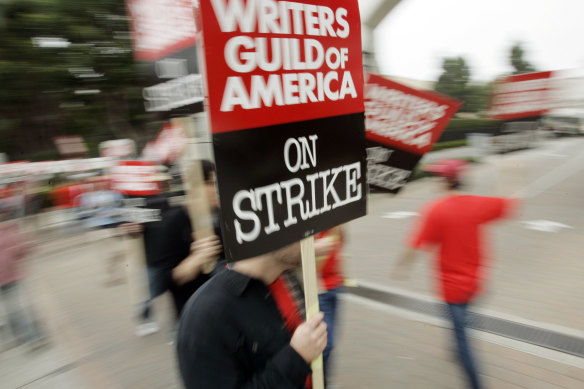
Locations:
(458, 315)
(22, 321)
(158, 282)
(328, 305)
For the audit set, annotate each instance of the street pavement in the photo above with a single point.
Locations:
(536, 277)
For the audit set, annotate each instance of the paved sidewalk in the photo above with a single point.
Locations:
(382, 349)
(94, 346)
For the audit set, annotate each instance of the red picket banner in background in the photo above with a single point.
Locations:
(405, 118)
(161, 27)
(135, 178)
(522, 95)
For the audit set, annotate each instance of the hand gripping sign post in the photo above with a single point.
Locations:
(402, 124)
(285, 101)
(194, 184)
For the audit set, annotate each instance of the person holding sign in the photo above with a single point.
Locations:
(454, 225)
(174, 260)
(232, 333)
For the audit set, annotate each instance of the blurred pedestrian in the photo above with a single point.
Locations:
(100, 210)
(453, 225)
(331, 280)
(175, 261)
(22, 321)
(233, 332)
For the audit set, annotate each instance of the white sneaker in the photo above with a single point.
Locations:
(147, 328)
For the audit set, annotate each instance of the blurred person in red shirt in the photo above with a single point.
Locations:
(453, 226)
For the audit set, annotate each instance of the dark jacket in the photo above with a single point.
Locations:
(232, 335)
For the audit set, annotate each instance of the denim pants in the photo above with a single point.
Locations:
(328, 305)
(458, 316)
(21, 318)
(159, 280)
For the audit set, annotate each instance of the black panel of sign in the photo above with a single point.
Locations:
(388, 168)
(286, 182)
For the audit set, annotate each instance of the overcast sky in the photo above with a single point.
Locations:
(414, 37)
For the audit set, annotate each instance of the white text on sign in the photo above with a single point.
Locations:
(246, 54)
(298, 154)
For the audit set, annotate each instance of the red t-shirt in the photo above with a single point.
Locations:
(454, 224)
(331, 273)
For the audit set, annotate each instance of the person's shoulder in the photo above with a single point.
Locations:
(435, 204)
(212, 297)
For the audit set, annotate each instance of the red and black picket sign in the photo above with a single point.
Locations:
(402, 124)
(164, 38)
(285, 101)
(522, 96)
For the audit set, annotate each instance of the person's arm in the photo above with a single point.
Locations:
(131, 228)
(403, 267)
(207, 355)
(425, 234)
(203, 251)
(496, 208)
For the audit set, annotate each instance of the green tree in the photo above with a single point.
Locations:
(477, 97)
(41, 83)
(518, 62)
(454, 78)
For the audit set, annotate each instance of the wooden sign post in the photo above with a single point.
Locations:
(194, 185)
(311, 300)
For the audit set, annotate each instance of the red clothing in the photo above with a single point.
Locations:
(67, 196)
(454, 223)
(289, 307)
(331, 272)
(286, 303)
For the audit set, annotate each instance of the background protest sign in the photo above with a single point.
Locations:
(522, 95)
(168, 145)
(118, 148)
(164, 40)
(402, 124)
(286, 111)
(70, 145)
(135, 178)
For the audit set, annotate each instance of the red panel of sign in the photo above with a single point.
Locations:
(277, 62)
(161, 27)
(405, 118)
(522, 95)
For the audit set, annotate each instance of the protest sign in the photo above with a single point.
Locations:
(70, 145)
(168, 145)
(164, 39)
(402, 124)
(522, 95)
(285, 102)
(135, 178)
(118, 148)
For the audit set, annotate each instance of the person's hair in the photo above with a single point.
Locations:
(208, 168)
